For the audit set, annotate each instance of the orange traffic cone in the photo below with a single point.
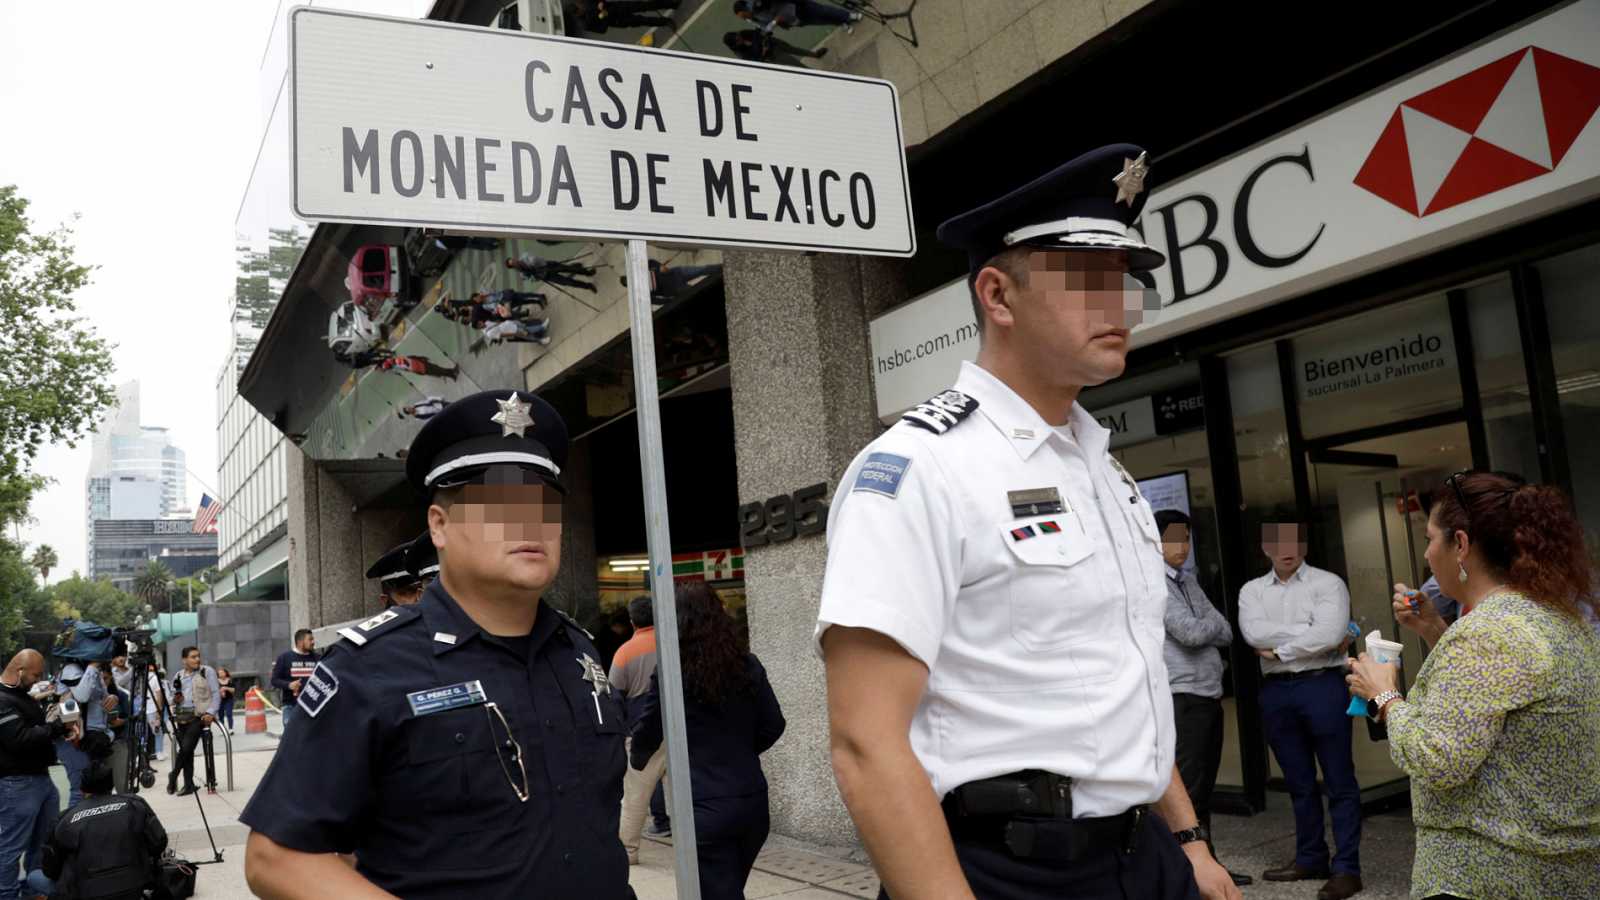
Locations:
(255, 713)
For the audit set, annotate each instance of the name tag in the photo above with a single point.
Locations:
(1037, 502)
(434, 700)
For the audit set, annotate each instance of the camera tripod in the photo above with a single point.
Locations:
(141, 739)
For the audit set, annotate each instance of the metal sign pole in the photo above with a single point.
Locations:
(659, 540)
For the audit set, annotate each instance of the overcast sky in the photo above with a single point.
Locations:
(144, 120)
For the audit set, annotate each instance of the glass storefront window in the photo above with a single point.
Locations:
(1502, 377)
(1571, 284)
(1388, 365)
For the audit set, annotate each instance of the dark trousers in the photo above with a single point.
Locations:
(729, 833)
(1307, 727)
(811, 12)
(1199, 753)
(658, 809)
(1157, 869)
(190, 733)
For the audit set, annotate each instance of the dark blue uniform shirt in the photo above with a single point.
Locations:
(422, 797)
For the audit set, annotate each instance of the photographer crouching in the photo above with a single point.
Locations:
(106, 846)
(28, 799)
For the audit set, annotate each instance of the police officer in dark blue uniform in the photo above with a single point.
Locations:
(470, 745)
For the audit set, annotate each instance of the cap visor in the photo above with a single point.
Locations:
(1141, 256)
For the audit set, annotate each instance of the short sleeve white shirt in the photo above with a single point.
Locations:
(1042, 631)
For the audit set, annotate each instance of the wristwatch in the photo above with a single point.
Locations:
(1381, 700)
(1190, 835)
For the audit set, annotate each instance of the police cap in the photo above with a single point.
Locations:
(1089, 203)
(391, 567)
(421, 557)
(493, 437)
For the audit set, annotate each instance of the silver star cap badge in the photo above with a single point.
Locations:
(513, 417)
(1130, 183)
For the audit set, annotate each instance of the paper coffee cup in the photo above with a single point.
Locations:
(1384, 651)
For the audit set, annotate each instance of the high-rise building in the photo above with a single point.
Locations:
(253, 529)
(135, 471)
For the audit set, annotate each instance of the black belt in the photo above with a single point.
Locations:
(1308, 673)
(1030, 814)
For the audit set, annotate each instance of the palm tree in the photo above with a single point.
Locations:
(154, 584)
(44, 559)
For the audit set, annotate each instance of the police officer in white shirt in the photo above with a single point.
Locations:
(1296, 618)
(991, 616)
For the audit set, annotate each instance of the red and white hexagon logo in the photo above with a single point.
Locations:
(1499, 125)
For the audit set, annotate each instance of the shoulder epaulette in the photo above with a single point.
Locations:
(378, 625)
(574, 623)
(940, 413)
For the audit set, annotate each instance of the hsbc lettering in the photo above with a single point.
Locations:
(1244, 239)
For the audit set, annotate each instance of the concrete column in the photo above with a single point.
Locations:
(802, 408)
(305, 556)
(379, 530)
(576, 590)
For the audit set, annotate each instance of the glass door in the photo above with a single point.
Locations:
(1368, 527)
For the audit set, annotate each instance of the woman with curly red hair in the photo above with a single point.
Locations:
(732, 717)
(1501, 731)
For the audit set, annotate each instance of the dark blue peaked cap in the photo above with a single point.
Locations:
(421, 557)
(492, 436)
(391, 566)
(1086, 204)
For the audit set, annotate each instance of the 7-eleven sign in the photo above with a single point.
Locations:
(719, 565)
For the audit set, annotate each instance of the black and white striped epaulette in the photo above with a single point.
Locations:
(941, 413)
(379, 625)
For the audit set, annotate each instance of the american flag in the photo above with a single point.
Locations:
(205, 520)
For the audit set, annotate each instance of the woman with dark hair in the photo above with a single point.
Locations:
(225, 688)
(1501, 732)
(732, 718)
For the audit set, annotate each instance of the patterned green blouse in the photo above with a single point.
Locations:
(1501, 738)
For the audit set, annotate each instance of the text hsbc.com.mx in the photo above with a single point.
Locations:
(929, 347)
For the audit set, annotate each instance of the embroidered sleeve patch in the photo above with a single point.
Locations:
(882, 473)
(318, 690)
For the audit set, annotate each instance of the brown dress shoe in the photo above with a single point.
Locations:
(1340, 886)
(1294, 872)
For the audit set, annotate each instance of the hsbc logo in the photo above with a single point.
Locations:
(1504, 123)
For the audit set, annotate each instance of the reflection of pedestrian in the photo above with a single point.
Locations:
(668, 282)
(418, 365)
(770, 14)
(599, 15)
(518, 331)
(511, 298)
(732, 717)
(755, 45)
(554, 271)
(427, 409)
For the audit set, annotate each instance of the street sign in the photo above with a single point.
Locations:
(422, 123)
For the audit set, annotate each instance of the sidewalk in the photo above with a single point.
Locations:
(796, 871)
(786, 868)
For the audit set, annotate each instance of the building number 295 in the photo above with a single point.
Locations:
(784, 518)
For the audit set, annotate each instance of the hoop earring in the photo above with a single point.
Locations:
(1462, 574)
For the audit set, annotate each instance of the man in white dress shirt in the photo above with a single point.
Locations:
(991, 616)
(1296, 617)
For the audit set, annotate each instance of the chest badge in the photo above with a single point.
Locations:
(595, 675)
(454, 696)
(1036, 502)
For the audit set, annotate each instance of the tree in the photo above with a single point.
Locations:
(54, 370)
(44, 559)
(154, 585)
(100, 602)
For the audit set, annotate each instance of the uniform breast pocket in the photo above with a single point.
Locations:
(1057, 601)
(449, 757)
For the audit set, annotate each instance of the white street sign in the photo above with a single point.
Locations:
(422, 123)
